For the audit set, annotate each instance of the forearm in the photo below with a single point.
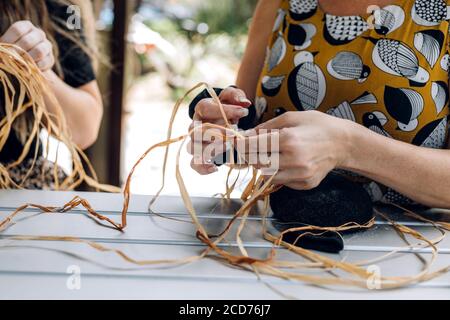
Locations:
(419, 173)
(82, 109)
(259, 34)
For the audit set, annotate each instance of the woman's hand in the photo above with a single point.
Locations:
(235, 104)
(33, 41)
(309, 146)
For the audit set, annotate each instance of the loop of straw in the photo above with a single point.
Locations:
(258, 190)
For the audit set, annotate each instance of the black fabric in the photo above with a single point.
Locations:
(335, 202)
(329, 242)
(77, 71)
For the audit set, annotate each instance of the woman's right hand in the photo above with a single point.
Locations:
(33, 41)
(235, 104)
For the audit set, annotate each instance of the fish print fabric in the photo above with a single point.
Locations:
(388, 70)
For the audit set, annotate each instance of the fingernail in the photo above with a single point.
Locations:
(244, 100)
(243, 113)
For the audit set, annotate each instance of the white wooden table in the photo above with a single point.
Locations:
(38, 269)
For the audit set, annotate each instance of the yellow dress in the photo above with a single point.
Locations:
(387, 71)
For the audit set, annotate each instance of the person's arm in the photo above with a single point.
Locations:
(421, 174)
(258, 38)
(312, 144)
(82, 106)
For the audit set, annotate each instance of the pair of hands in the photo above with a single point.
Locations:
(33, 41)
(309, 145)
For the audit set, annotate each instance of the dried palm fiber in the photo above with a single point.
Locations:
(257, 190)
(24, 92)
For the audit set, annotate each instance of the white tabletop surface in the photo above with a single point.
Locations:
(39, 269)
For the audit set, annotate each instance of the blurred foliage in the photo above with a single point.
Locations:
(227, 16)
(209, 54)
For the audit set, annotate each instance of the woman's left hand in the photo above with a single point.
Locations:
(33, 41)
(311, 145)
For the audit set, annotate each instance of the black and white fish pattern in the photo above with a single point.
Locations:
(397, 58)
(345, 111)
(376, 121)
(388, 19)
(306, 83)
(277, 53)
(302, 9)
(430, 44)
(404, 105)
(300, 35)
(260, 106)
(433, 135)
(348, 66)
(281, 18)
(445, 62)
(271, 85)
(440, 95)
(430, 12)
(342, 30)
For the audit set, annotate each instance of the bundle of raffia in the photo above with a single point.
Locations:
(334, 272)
(24, 114)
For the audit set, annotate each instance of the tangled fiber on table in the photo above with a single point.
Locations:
(25, 100)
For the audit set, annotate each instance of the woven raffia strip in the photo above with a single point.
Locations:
(27, 94)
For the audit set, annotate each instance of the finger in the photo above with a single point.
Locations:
(304, 186)
(287, 120)
(47, 63)
(195, 148)
(17, 31)
(205, 133)
(41, 51)
(235, 96)
(288, 178)
(200, 125)
(271, 161)
(203, 169)
(31, 40)
(208, 110)
(266, 143)
(285, 177)
(204, 150)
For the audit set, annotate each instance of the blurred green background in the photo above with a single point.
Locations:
(173, 45)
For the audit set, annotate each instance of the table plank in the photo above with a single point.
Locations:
(26, 265)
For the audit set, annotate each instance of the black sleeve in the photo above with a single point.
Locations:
(75, 62)
(244, 124)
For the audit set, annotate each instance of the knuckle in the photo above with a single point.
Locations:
(201, 108)
(226, 92)
(313, 184)
(16, 28)
(21, 26)
(288, 139)
(42, 34)
(40, 53)
(308, 167)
